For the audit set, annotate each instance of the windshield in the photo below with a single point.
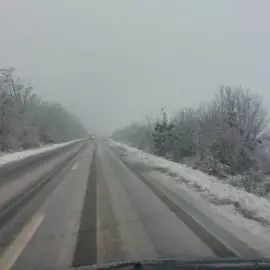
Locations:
(133, 131)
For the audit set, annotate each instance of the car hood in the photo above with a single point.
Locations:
(220, 264)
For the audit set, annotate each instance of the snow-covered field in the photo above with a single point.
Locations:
(11, 157)
(250, 214)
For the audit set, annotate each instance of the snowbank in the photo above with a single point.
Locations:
(235, 203)
(11, 157)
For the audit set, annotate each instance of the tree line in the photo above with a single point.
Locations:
(227, 137)
(27, 121)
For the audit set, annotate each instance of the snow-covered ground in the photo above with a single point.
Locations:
(11, 157)
(243, 214)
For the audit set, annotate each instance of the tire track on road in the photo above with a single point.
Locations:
(86, 245)
(207, 237)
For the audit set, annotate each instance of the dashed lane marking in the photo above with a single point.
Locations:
(75, 166)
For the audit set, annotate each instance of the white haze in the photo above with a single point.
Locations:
(111, 62)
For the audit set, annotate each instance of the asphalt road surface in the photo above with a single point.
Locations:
(96, 210)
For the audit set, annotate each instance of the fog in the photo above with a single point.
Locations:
(111, 62)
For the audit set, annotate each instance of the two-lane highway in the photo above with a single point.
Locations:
(96, 211)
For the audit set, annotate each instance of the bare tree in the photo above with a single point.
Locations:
(25, 119)
(229, 134)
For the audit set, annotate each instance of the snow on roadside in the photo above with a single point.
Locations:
(236, 204)
(11, 157)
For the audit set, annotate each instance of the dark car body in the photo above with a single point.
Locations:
(220, 264)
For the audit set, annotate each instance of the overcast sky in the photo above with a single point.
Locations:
(112, 62)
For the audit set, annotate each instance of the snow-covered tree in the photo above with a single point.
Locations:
(228, 134)
(26, 121)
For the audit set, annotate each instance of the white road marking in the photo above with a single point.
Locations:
(74, 167)
(15, 249)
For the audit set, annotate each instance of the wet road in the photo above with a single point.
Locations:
(93, 211)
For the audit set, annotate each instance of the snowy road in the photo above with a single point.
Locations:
(97, 209)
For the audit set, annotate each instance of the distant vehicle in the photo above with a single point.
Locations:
(91, 137)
